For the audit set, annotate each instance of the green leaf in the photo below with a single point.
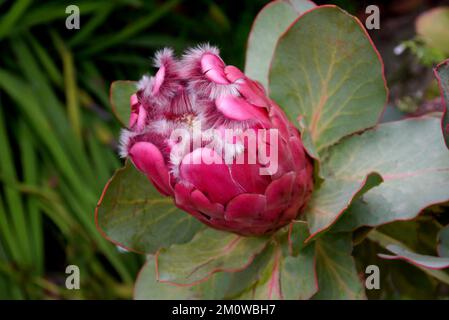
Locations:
(148, 288)
(120, 95)
(433, 27)
(443, 242)
(326, 70)
(297, 235)
(132, 213)
(229, 285)
(442, 75)
(270, 23)
(214, 288)
(384, 241)
(411, 158)
(209, 251)
(334, 196)
(337, 275)
(419, 260)
(298, 277)
(269, 285)
(283, 275)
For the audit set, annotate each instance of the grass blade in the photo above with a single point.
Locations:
(10, 19)
(131, 29)
(71, 90)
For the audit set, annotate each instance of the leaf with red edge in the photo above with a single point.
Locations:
(209, 251)
(442, 75)
(411, 158)
(337, 275)
(420, 260)
(120, 95)
(326, 69)
(298, 275)
(230, 285)
(134, 215)
(269, 285)
(334, 196)
(220, 285)
(286, 276)
(148, 288)
(298, 232)
(270, 23)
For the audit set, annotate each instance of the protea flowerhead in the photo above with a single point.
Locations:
(208, 136)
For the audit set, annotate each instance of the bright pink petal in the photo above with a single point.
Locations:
(249, 177)
(158, 79)
(298, 153)
(233, 73)
(182, 194)
(183, 201)
(206, 170)
(148, 159)
(141, 118)
(133, 100)
(246, 206)
(134, 103)
(279, 192)
(203, 204)
(132, 119)
(213, 68)
(238, 109)
(253, 94)
(279, 121)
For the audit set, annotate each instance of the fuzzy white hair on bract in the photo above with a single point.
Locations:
(125, 137)
(192, 55)
(193, 136)
(145, 84)
(163, 57)
(162, 127)
(191, 69)
(217, 90)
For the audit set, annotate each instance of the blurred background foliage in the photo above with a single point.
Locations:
(58, 136)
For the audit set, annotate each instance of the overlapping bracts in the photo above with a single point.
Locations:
(250, 182)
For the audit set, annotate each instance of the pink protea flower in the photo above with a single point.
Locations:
(208, 136)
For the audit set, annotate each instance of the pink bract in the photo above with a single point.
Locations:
(201, 96)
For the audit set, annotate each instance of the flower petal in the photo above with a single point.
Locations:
(206, 170)
(239, 109)
(141, 118)
(246, 206)
(134, 103)
(233, 73)
(279, 192)
(205, 206)
(213, 68)
(148, 159)
(249, 177)
(252, 93)
(158, 79)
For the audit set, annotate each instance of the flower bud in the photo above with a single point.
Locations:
(208, 136)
